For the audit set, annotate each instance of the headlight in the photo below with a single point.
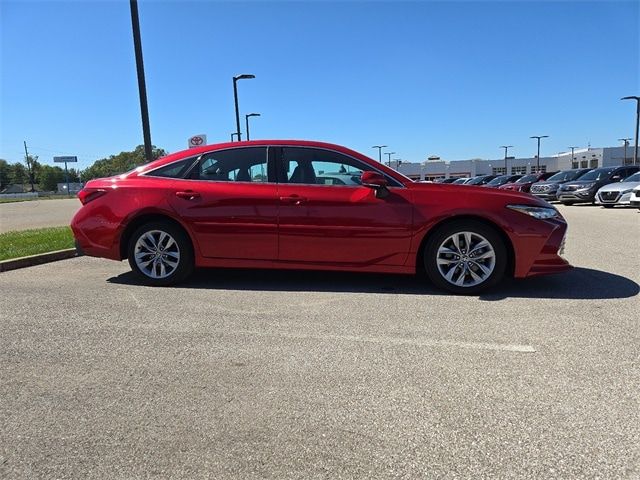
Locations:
(627, 191)
(586, 186)
(541, 213)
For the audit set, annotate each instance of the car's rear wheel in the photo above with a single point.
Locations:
(160, 254)
(465, 257)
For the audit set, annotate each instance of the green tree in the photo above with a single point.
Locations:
(49, 177)
(18, 174)
(120, 163)
(5, 171)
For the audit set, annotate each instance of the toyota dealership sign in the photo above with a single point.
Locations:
(197, 140)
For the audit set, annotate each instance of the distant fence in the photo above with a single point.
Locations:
(19, 195)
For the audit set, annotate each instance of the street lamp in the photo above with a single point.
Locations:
(538, 159)
(246, 119)
(398, 163)
(389, 157)
(626, 144)
(572, 158)
(506, 148)
(379, 147)
(244, 76)
(635, 150)
(233, 134)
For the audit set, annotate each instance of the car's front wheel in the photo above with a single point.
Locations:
(160, 254)
(465, 257)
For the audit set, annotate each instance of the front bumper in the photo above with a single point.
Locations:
(548, 196)
(577, 196)
(613, 198)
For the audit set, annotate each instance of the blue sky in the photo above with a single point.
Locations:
(456, 79)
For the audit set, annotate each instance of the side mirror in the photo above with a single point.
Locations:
(616, 178)
(377, 182)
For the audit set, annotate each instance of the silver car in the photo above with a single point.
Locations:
(618, 193)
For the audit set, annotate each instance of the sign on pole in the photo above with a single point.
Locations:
(65, 159)
(198, 140)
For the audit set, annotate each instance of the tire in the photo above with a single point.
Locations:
(490, 269)
(607, 206)
(567, 203)
(165, 254)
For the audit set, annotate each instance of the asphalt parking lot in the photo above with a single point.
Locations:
(37, 214)
(257, 374)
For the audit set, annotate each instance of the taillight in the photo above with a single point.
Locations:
(88, 194)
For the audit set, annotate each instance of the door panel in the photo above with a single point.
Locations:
(231, 204)
(343, 225)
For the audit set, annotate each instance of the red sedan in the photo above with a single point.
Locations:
(268, 204)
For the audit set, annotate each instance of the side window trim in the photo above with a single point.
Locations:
(184, 173)
(194, 171)
(282, 174)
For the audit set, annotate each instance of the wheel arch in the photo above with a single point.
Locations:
(140, 220)
(447, 221)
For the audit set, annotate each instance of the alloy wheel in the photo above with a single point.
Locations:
(466, 259)
(157, 254)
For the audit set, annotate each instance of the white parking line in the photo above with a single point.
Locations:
(396, 341)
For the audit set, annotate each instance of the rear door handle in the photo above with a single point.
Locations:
(293, 199)
(188, 195)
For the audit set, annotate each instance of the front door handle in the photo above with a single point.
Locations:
(188, 195)
(294, 199)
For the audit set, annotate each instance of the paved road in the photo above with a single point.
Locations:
(254, 374)
(37, 214)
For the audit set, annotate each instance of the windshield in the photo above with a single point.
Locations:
(633, 178)
(528, 178)
(460, 180)
(565, 175)
(597, 174)
(477, 180)
(499, 180)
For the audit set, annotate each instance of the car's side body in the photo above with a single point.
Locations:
(282, 224)
(634, 200)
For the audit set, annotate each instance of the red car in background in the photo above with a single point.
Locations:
(524, 183)
(267, 204)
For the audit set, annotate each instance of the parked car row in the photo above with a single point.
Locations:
(606, 186)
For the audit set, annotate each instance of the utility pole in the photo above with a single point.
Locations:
(635, 150)
(389, 157)
(626, 144)
(379, 147)
(142, 86)
(29, 166)
(506, 148)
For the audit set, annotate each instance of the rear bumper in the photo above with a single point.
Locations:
(107, 248)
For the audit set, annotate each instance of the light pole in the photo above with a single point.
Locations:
(244, 76)
(626, 144)
(233, 134)
(572, 158)
(635, 149)
(398, 163)
(379, 147)
(538, 159)
(246, 119)
(506, 148)
(389, 157)
(142, 87)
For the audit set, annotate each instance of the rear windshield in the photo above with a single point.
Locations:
(597, 174)
(528, 178)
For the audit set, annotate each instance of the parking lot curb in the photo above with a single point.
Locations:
(39, 259)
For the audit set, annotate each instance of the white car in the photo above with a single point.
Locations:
(618, 193)
(634, 200)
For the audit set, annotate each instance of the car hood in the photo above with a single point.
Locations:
(475, 192)
(619, 187)
(579, 183)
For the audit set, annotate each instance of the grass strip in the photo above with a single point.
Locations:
(32, 242)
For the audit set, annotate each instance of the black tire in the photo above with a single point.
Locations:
(185, 262)
(567, 203)
(607, 206)
(436, 239)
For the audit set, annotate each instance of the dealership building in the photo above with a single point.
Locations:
(434, 167)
